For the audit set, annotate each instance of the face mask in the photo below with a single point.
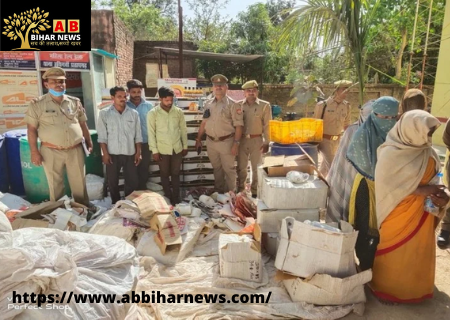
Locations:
(56, 93)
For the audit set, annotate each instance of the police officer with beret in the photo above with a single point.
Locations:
(255, 141)
(223, 121)
(59, 121)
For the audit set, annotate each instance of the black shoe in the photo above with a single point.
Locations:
(443, 239)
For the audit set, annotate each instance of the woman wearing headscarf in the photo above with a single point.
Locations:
(342, 173)
(362, 154)
(404, 267)
(414, 99)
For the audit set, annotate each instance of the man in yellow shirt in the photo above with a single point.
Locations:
(167, 137)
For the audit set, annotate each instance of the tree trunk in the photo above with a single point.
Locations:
(399, 58)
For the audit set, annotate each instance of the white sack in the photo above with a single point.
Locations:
(94, 186)
(50, 261)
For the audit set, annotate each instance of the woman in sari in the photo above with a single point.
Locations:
(404, 266)
(362, 154)
(414, 99)
(341, 174)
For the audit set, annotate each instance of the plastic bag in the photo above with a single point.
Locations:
(94, 185)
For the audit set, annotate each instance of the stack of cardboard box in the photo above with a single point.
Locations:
(281, 198)
(319, 264)
(155, 209)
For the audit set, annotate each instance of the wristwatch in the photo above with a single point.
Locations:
(237, 141)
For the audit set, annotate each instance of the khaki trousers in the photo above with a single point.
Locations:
(328, 149)
(446, 220)
(249, 148)
(54, 163)
(219, 153)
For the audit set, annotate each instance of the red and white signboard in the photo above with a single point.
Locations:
(65, 60)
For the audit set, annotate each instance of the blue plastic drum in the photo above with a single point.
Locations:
(13, 160)
(4, 176)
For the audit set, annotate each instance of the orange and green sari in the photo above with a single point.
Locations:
(404, 267)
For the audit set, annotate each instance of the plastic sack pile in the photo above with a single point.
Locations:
(50, 261)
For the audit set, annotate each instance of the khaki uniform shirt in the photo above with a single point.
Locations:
(57, 124)
(336, 116)
(225, 115)
(256, 118)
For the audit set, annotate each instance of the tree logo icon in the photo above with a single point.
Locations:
(32, 20)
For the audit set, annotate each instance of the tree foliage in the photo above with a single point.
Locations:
(332, 24)
(146, 19)
(207, 23)
(253, 32)
(361, 40)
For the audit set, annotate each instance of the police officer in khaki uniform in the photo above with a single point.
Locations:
(335, 112)
(255, 140)
(59, 121)
(223, 121)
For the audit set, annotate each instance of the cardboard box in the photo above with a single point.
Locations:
(168, 234)
(20, 223)
(270, 242)
(280, 193)
(279, 166)
(306, 250)
(325, 290)
(270, 219)
(36, 212)
(149, 203)
(240, 256)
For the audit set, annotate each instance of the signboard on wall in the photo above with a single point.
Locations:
(178, 85)
(65, 60)
(17, 60)
(17, 89)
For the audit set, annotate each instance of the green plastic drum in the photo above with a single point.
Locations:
(94, 163)
(34, 179)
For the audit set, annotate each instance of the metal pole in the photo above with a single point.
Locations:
(426, 46)
(160, 64)
(180, 37)
(411, 52)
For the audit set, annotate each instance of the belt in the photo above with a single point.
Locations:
(221, 138)
(52, 146)
(251, 136)
(331, 137)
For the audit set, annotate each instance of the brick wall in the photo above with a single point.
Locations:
(144, 53)
(102, 30)
(124, 49)
(280, 95)
(109, 33)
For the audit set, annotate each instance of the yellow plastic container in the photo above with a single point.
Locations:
(298, 131)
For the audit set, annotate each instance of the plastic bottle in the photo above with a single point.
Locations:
(429, 206)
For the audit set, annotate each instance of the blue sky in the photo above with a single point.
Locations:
(232, 9)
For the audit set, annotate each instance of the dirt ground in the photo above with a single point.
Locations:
(437, 308)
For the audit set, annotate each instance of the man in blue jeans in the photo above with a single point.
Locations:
(136, 102)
